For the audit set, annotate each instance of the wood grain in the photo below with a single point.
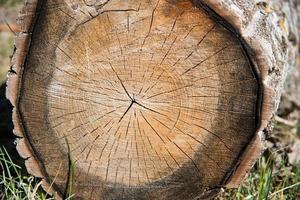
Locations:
(156, 99)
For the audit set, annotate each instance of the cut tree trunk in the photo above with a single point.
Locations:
(138, 99)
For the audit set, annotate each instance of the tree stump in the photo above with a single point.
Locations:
(136, 99)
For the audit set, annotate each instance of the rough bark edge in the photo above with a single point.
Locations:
(272, 58)
(273, 51)
(291, 96)
(26, 21)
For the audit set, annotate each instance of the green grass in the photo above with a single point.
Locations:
(14, 185)
(70, 184)
(270, 179)
(274, 176)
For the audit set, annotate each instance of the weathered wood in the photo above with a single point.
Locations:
(9, 28)
(270, 30)
(157, 99)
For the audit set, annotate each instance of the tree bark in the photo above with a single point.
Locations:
(149, 99)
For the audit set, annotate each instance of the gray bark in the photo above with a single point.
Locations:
(270, 30)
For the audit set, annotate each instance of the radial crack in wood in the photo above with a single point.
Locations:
(155, 99)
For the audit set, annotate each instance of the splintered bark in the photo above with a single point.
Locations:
(147, 99)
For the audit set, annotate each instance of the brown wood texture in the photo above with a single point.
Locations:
(270, 29)
(9, 28)
(156, 99)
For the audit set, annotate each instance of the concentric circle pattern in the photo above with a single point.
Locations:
(140, 94)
